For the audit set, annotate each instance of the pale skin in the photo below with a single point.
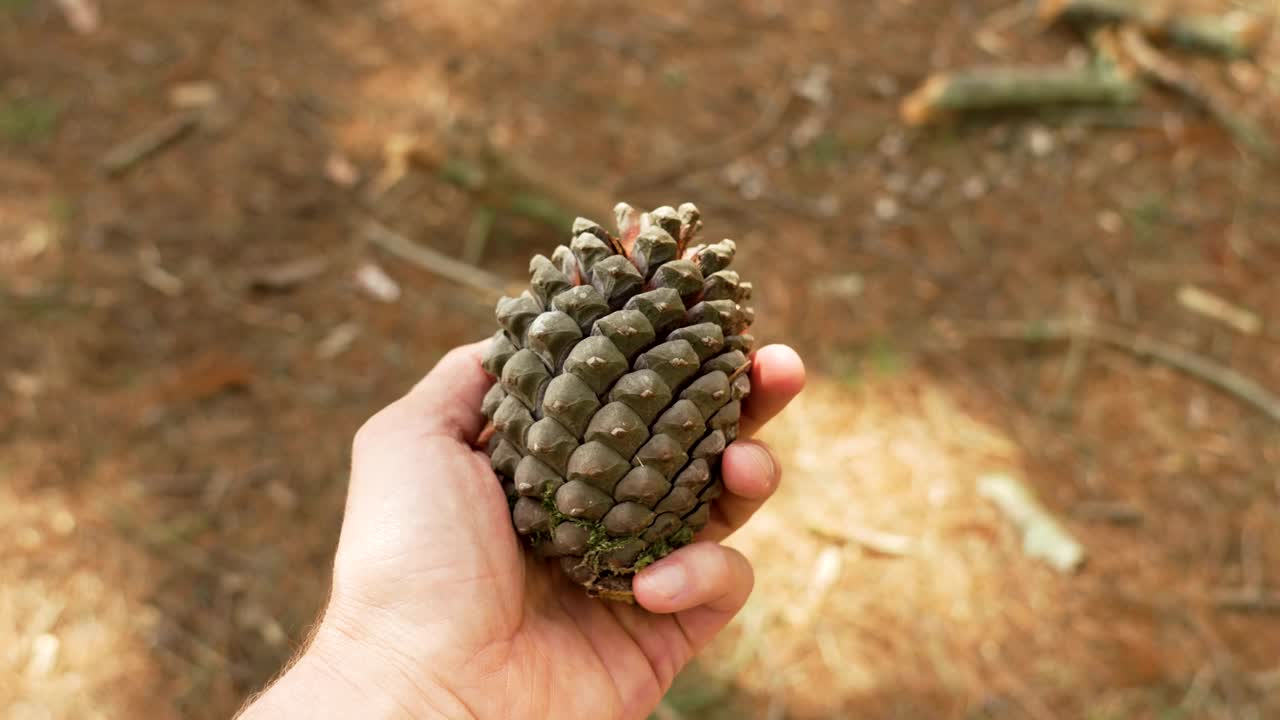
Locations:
(437, 612)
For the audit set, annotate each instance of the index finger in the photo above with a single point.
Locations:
(777, 376)
(449, 397)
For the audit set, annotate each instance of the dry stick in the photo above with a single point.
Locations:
(431, 260)
(125, 156)
(1165, 72)
(1198, 691)
(1232, 35)
(996, 88)
(1250, 600)
(1069, 379)
(477, 238)
(877, 541)
(1221, 377)
(1224, 665)
(725, 152)
(1250, 597)
(503, 180)
(1108, 511)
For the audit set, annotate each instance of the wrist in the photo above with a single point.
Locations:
(347, 672)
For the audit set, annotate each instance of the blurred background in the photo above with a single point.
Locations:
(1037, 469)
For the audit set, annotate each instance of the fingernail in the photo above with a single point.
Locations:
(764, 457)
(665, 580)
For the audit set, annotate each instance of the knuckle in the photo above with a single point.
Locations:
(374, 431)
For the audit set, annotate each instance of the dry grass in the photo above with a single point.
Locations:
(963, 623)
(73, 630)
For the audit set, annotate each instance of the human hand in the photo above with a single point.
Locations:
(436, 610)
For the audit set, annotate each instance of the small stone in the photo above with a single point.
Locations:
(929, 183)
(1124, 153)
(1040, 141)
(892, 144)
(376, 283)
(974, 187)
(887, 208)
(63, 523)
(1110, 222)
(883, 85)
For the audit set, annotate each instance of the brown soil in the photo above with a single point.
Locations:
(173, 441)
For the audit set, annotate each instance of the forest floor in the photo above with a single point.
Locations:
(188, 342)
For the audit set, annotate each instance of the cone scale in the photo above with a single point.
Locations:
(620, 376)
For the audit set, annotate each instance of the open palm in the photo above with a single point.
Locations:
(429, 573)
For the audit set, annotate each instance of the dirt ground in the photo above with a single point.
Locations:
(176, 408)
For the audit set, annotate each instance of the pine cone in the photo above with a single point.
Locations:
(621, 372)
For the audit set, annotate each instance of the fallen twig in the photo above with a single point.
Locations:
(500, 179)
(1216, 308)
(1163, 71)
(477, 238)
(432, 260)
(287, 275)
(1232, 35)
(1248, 601)
(1069, 380)
(1201, 368)
(876, 541)
(128, 154)
(986, 89)
(1105, 511)
(1198, 690)
(1042, 535)
(724, 152)
(990, 33)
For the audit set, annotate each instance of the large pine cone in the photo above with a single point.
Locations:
(621, 375)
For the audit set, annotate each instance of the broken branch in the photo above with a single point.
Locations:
(986, 89)
(1163, 71)
(1042, 535)
(1229, 381)
(508, 182)
(123, 157)
(1116, 513)
(877, 541)
(1234, 35)
(1248, 601)
(431, 260)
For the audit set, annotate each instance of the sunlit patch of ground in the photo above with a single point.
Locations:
(73, 632)
(887, 585)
